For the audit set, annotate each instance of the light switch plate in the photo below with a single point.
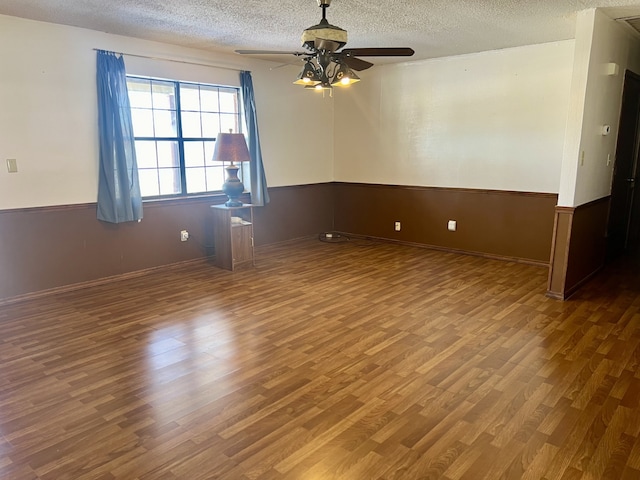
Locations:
(12, 165)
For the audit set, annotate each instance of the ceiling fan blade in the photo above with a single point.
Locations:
(356, 64)
(270, 52)
(379, 52)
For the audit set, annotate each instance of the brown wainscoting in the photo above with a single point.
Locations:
(50, 247)
(294, 212)
(579, 246)
(500, 224)
(44, 249)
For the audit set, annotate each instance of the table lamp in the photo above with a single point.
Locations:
(231, 147)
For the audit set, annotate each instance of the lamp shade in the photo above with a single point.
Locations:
(231, 147)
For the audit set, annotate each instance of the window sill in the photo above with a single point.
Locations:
(213, 198)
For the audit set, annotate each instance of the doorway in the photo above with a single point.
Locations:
(623, 232)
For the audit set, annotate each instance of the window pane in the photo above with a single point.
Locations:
(139, 93)
(209, 99)
(215, 177)
(243, 174)
(169, 181)
(210, 125)
(209, 147)
(165, 123)
(191, 125)
(164, 96)
(229, 122)
(228, 100)
(148, 182)
(196, 181)
(189, 97)
(194, 154)
(146, 154)
(168, 155)
(142, 122)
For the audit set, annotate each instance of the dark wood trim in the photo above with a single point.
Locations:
(574, 288)
(591, 203)
(555, 296)
(568, 210)
(45, 248)
(88, 251)
(499, 224)
(479, 191)
(576, 232)
(559, 268)
(295, 211)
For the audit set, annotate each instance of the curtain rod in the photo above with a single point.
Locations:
(169, 60)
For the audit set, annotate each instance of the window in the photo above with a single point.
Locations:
(175, 125)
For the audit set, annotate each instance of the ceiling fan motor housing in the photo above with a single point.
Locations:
(324, 36)
(333, 37)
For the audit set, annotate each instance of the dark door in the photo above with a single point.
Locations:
(624, 216)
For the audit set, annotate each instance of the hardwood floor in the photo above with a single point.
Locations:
(326, 361)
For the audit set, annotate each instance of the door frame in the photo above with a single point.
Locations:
(624, 210)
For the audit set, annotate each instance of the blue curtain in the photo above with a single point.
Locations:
(119, 197)
(259, 193)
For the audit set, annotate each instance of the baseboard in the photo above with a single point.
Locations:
(574, 288)
(555, 296)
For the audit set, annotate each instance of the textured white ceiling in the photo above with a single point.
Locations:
(433, 28)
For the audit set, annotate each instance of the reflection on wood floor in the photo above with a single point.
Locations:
(326, 361)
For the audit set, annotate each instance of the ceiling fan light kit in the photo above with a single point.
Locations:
(344, 76)
(325, 66)
(308, 75)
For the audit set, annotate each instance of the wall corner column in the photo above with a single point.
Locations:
(559, 261)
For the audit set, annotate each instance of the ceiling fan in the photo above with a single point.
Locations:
(325, 64)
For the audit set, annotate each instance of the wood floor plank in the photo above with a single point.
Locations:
(355, 360)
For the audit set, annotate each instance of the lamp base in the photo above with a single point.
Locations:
(233, 203)
(233, 187)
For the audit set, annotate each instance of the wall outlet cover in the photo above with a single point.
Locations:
(12, 165)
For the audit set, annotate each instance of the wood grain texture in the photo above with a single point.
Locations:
(518, 225)
(355, 360)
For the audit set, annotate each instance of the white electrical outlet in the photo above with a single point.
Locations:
(452, 225)
(184, 236)
(398, 226)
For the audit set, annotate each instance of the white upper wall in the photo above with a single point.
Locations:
(493, 120)
(48, 118)
(596, 98)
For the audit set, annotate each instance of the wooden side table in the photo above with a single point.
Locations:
(233, 236)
